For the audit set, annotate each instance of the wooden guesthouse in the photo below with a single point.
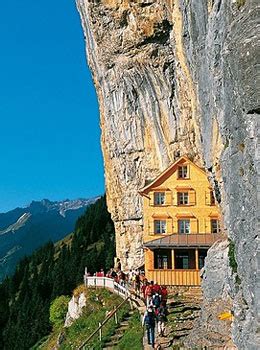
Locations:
(181, 222)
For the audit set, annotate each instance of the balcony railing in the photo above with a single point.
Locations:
(184, 240)
(175, 277)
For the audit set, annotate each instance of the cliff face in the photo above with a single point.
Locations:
(173, 78)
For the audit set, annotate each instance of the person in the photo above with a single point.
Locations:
(161, 319)
(164, 294)
(137, 284)
(156, 288)
(149, 322)
(143, 288)
(148, 293)
(156, 301)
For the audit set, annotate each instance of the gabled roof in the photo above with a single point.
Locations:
(167, 173)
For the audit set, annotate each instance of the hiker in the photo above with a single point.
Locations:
(144, 285)
(148, 293)
(156, 301)
(164, 294)
(161, 319)
(149, 322)
(156, 288)
(137, 284)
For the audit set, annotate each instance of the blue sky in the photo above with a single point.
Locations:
(49, 131)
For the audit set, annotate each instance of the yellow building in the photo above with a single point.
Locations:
(181, 221)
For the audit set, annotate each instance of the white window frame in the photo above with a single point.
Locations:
(182, 198)
(160, 227)
(159, 198)
(183, 174)
(184, 226)
(212, 228)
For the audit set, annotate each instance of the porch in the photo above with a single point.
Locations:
(174, 277)
(178, 267)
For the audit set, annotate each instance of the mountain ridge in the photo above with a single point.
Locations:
(22, 230)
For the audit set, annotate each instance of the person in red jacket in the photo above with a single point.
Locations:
(149, 293)
(164, 294)
(144, 285)
(156, 288)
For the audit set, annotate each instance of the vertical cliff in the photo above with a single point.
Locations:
(173, 78)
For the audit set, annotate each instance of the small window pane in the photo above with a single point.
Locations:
(184, 226)
(183, 172)
(160, 226)
(214, 226)
(183, 198)
(159, 198)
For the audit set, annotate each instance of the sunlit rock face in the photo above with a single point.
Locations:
(174, 78)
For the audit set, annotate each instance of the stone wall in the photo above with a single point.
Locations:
(173, 78)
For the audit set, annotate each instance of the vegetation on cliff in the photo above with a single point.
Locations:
(50, 272)
(98, 303)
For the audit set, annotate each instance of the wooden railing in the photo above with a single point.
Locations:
(175, 277)
(102, 324)
(105, 282)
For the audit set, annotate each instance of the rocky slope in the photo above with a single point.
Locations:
(173, 78)
(22, 230)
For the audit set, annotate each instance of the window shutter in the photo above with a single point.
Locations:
(168, 198)
(194, 225)
(175, 198)
(151, 227)
(192, 197)
(151, 195)
(188, 171)
(169, 226)
(207, 225)
(207, 198)
(175, 225)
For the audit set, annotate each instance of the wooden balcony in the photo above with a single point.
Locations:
(192, 240)
(174, 277)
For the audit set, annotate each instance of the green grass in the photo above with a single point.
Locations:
(240, 3)
(99, 301)
(133, 336)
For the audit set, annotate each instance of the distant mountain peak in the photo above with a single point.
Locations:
(22, 230)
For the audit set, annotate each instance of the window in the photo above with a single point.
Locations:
(183, 172)
(183, 198)
(215, 226)
(184, 259)
(160, 226)
(212, 198)
(162, 259)
(184, 226)
(159, 198)
(202, 256)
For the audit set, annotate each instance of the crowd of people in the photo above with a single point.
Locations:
(153, 295)
(156, 310)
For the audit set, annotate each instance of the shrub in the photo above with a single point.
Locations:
(240, 3)
(231, 256)
(58, 310)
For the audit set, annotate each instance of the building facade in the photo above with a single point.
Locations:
(181, 222)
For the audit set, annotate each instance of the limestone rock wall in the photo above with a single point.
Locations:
(173, 78)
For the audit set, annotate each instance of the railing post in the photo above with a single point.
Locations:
(116, 320)
(100, 331)
(131, 304)
(197, 258)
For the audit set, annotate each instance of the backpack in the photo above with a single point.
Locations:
(156, 300)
